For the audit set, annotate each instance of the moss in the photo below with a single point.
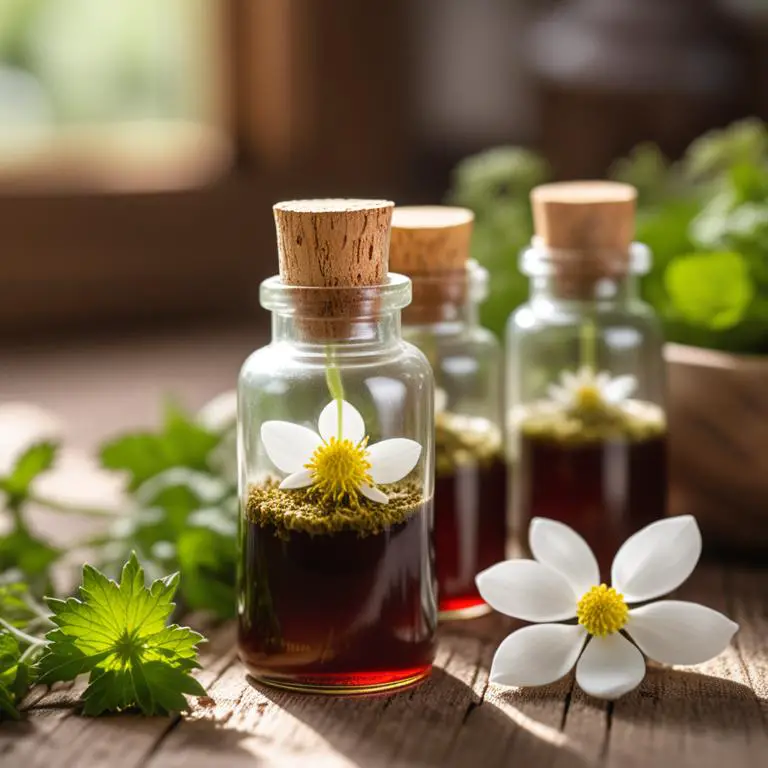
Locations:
(632, 421)
(462, 440)
(302, 510)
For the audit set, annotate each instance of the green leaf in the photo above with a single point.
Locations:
(181, 443)
(13, 676)
(15, 605)
(118, 632)
(710, 290)
(208, 560)
(21, 551)
(34, 461)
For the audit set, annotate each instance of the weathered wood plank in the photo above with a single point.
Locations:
(700, 716)
(712, 715)
(54, 735)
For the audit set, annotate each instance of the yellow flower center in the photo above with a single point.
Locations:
(339, 468)
(602, 611)
(588, 398)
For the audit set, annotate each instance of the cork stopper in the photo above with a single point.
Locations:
(585, 215)
(430, 239)
(588, 227)
(333, 243)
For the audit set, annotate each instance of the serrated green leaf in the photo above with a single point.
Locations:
(710, 290)
(34, 461)
(118, 632)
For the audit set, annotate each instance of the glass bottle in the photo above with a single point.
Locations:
(585, 392)
(336, 585)
(431, 245)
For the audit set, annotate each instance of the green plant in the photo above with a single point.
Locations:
(704, 217)
(179, 514)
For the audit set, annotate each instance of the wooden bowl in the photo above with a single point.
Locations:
(718, 416)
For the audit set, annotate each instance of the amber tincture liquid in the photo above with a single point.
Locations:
(470, 510)
(338, 612)
(606, 482)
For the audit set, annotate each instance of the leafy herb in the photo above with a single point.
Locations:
(118, 634)
(35, 460)
(13, 676)
(704, 215)
(181, 443)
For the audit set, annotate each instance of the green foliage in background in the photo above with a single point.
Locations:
(704, 217)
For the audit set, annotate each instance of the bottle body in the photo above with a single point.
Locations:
(336, 590)
(470, 470)
(585, 409)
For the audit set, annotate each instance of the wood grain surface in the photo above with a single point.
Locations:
(712, 715)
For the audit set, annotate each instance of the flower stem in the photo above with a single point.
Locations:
(588, 344)
(335, 385)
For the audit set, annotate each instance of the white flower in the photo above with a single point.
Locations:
(338, 461)
(562, 583)
(585, 389)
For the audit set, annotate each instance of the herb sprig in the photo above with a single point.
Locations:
(179, 515)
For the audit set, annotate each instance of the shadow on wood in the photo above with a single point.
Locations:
(440, 723)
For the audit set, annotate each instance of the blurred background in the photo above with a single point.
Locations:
(143, 143)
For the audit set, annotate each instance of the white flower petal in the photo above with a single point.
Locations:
(289, 446)
(558, 546)
(352, 426)
(585, 376)
(391, 460)
(619, 388)
(559, 394)
(374, 494)
(657, 559)
(602, 380)
(569, 380)
(678, 632)
(538, 654)
(527, 590)
(610, 667)
(300, 479)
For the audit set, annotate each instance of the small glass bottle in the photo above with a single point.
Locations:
(587, 428)
(336, 585)
(431, 245)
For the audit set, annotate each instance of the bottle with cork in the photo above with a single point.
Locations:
(337, 589)
(585, 380)
(430, 244)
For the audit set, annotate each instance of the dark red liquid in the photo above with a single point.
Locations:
(338, 613)
(605, 491)
(470, 532)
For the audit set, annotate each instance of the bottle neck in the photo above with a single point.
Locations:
(355, 335)
(444, 318)
(606, 292)
(447, 302)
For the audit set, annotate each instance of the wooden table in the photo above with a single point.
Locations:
(713, 715)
